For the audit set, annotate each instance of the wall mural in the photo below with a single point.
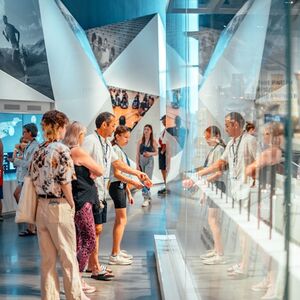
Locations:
(131, 105)
(109, 41)
(22, 47)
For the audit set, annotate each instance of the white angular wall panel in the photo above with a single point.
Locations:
(78, 89)
(13, 89)
(137, 67)
(233, 74)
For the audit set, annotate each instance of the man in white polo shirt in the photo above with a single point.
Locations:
(100, 148)
(239, 152)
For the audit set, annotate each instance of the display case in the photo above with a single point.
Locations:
(233, 83)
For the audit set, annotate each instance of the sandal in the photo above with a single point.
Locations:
(103, 269)
(27, 232)
(103, 276)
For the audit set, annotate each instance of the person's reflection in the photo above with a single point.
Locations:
(178, 131)
(265, 166)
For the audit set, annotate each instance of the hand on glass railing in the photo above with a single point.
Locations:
(190, 185)
(187, 183)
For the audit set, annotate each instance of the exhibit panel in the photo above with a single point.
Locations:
(232, 107)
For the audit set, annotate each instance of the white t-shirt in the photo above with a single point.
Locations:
(239, 153)
(103, 153)
(214, 155)
(121, 155)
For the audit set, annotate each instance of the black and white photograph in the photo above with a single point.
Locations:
(109, 41)
(22, 47)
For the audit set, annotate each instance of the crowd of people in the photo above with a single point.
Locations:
(71, 173)
(242, 161)
(74, 174)
(120, 98)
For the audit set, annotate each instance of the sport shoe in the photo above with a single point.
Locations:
(208, 254)
(87, 289)
(261, 286)
(215, 260)
(146, 203)
(238, 274)
(271, 294)
(233, 268)
(119, 260)
(163, 191)
(125, 254)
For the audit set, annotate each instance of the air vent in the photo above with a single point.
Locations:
(12, 107)
(34, 108)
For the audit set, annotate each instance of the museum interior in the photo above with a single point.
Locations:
(204, 98)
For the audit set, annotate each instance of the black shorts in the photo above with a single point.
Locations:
(100, 214)
(162, 160)
(117, 192)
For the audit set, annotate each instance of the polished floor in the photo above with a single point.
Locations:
(19, 258)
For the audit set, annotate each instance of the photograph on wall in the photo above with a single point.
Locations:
(22, 47)
(130, 106)
(109, 41)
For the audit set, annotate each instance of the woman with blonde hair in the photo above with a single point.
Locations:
(52, 171)
(85, 196)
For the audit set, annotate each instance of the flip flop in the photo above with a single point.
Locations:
(103, 269)
(105, 276)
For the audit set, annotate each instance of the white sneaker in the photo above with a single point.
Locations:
(125, 254)
(146, 203)
(87, 289)
(233, 268)
(215, 260)
(208, 254)
(270, 294)
(119, 260)
(261, 286)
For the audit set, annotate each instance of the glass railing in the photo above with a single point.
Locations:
(233, 89)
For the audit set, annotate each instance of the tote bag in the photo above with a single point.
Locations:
(26, 210)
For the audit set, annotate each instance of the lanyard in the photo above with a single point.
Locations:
(105, 162)
(209, 153)
(235, 152)
(105, 152)
(127, 159)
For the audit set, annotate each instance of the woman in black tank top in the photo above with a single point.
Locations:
(85, 195)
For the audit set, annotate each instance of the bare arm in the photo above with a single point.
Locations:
(214, 177)
(137, 159)
(6, 37)
(67, 190)
(81, 157)
(219, 165)
(126, 179)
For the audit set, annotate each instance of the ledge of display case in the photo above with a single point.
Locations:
(174, 277)
(273, 247)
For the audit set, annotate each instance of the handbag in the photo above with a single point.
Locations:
(27, 206)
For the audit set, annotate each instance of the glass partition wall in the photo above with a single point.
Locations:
(233, 88)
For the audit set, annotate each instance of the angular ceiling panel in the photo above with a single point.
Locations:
(79, 34)
(137, 68)
(109, 41)
(78, 88)
(233, 73)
